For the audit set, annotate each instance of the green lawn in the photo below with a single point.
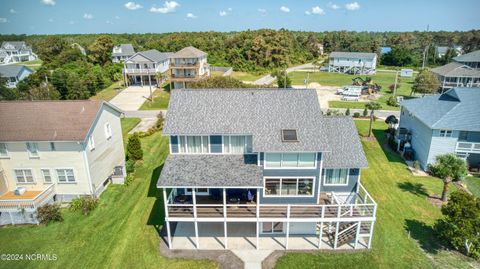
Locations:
(160, 101)
(121, 233)
(127, 125)
(403, 236)
(473, 184)
(244, 76)
(34, 65)
(108, 93)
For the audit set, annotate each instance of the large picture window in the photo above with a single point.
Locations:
(290, 160)
(288, 187)
(336, 177)
(193, 144)
(237, 144)
(24, 175)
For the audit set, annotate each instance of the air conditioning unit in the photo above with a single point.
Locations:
(20, 190)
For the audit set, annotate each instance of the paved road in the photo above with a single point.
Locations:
(268, 79)
(132, 98)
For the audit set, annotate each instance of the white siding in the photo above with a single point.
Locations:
(442, 145)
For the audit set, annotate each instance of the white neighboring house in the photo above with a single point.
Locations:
(144, 67)
(56, 151)
(188, 65)
(16, 51)
(14, 74)
(352, 62)
(463, 71)
(122, 52)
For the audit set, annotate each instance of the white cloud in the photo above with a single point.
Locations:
(49, 2)
(87, 16)
(333, 6)
(308, 13)
(108, 22)
(229, 9)
(317, 10)
(132, 6)
(191, 16)
(168, 6)
(262, 11)
(352, 6)
(284, 9)
(3, 20)
(50, 20)
(117, 17)
(13, 11)
(223, 13)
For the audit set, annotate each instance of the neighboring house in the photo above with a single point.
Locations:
(14, 73)
(352, 62)
(146, 67)
(122, 52)
(464, 71)
(188, 65)
(441, 51)
(16, 51)
(56, 151)
(443, 123)
(262, 164)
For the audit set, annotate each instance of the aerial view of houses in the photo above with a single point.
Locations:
(239, 134)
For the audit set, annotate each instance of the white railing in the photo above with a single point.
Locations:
(460, 84)
(30, 204)
(468, 146)
(140, 70)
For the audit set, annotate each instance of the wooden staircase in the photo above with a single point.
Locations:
(347, 231)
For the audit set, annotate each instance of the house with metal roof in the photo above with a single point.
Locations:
(188, 65)
(263, 168)
(352, 62)
(56, 151)
(443, 123)
(122, 52)
(464, 71)
(148, 67)
(14, 74)
(16, 51)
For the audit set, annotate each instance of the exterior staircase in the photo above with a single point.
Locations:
(346, 233)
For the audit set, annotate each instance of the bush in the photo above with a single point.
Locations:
(134, 148)
(416, 165)
(130, 166)
(128, 180)
(157, 127)
(49, 213)
(356, 115)
(85, 204)
(347, 112)
(365, 112)
(392, 101)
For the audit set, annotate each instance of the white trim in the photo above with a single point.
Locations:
(288, 167)
(87, 167)
(43, 175)
(320, 177)
(24, 183)
(30, 153)
(289, 196)
(170, 144)
(325, 176)
(6, 156)
(197, 192)
(108, 130)
(245, 144)
(66, 176)
(91, 143)
(186, 145)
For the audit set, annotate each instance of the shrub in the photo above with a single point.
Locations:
(85, 204)
(392, 101)
(356, 115)
(347, 112)
(128, 180)
(134, 148)
(157, 127)
(130, 166)
(416, 165)
(365, 112)
(49, 213)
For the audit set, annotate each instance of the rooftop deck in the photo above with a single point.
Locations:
(29, 200)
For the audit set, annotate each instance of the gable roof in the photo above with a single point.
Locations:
(456, 109)
(188, 52)
(126, 50)
(364, 55)
(455, 69)
(152, 55)
(48, 120)
(16, 44)
(473, 56)
(12, 70)
(442, 49)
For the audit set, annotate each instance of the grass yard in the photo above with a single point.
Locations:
(108, 93)
(403, 235)
(34, 65)
(127, 125)
(473, 184)
(160, 101)
(121, 233)
(244, 76)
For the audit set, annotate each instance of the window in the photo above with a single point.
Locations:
(52, 146)
(3, 150)
(237, 144)
(47, 177)
(24, 175)
(108, 130)
(272, 227)
(290, 160)
(65, 175)
(91, 143)
(336, 177)
(463, 135)
(32, 149)
(445, 133)
(289, 135)
(288, 187)
(193, 144)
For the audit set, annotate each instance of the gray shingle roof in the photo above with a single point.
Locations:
(456, 109)
(155, 55)
(473, 56)
(12, 70)
(262, 113)
(127, 49)
(346, 149)
(17, 44)
(455, 69)
(189, 52)
(364, 55)
(210, 171)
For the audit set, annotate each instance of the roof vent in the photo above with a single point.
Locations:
(289, 135)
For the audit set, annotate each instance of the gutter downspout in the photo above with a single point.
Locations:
(89, 177)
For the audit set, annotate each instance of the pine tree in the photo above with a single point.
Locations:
(134, 148)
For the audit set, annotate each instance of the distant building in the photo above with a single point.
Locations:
(406, 73)
(352, 62)
(122, 52)
(16, 51)
(145, 67)
(441, 51)
(188, 65)
(464, 71)
(14, 74)
(384, 50)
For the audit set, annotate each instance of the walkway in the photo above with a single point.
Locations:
(268, 79)
(132, 98)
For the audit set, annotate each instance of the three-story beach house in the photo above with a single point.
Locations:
(262, 168)
(188, 65)
(122, 52)
(16, 51)
(148, 67)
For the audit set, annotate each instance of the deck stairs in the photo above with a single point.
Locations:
(346, 233)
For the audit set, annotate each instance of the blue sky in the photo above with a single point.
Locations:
(140, 16)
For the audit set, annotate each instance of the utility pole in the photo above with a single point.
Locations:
(150, 84)
(395, 85)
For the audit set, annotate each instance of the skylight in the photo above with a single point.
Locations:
(289, 135)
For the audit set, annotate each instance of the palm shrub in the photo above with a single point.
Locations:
(49, 213)
(365, 112)
(134, 148)
(448, 167)
(372, 106)
(347, 112)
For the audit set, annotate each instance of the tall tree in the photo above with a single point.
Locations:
(448, 167)
(100, 51)
(425, 83)
(372, 106)
(283, 80)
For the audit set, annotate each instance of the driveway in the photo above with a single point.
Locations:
(268, 79)
(132, 98)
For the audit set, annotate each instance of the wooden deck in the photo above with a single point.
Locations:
(28, 195)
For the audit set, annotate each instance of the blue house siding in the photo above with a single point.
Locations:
(174, 143)
(215, 144)
(442, 145)
(352, 182)
(421, 136)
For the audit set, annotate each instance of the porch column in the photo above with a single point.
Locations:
(125, 74)
(371, 235)
(336, 235)
(258, 218)
(141, 80)
(225, 216)
(194, 199)
(11, 218)
(165, 202)
(320, 236)
(288, 227)
(359, 224)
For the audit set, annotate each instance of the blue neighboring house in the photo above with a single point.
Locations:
(443, 123)
(262, 168)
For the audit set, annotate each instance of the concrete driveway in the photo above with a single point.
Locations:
(132, 98)
(268, 79)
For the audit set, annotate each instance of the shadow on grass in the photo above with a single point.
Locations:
(414, 188)
(391, 155)
(424, 234)
(157, 213)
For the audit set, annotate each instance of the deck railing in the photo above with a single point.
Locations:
(30, 204)
(468, 147)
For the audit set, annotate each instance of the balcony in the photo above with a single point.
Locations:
(139, 71)
(460, 84)
(463, 146)
(185, 65)
(28, 201)
(187, 78)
